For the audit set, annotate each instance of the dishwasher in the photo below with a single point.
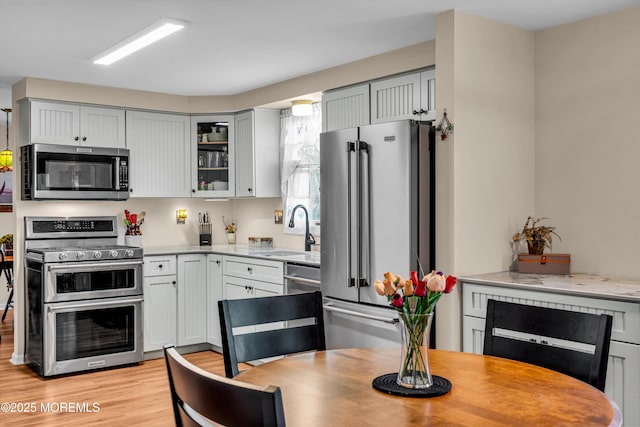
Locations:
(301, 278)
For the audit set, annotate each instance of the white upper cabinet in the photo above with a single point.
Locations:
(428, 95)
(410, 96)
(212, 156)
(257, 153)
(71, 124)
(160, 154)
(345, 108)
(102, 127)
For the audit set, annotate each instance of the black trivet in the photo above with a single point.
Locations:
(388, 383)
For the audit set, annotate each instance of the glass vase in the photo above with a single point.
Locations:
(414, 361)
(231, 238)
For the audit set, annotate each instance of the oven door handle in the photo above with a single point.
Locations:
(101, 303)
(92, 265)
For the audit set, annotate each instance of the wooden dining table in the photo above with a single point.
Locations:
(333, 388)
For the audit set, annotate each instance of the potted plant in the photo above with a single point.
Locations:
(537, 236)
(230, 227)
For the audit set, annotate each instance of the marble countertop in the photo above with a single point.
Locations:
(574, 284)
(275, 254)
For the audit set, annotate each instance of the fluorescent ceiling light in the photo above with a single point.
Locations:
(139, 40)
(301, 107)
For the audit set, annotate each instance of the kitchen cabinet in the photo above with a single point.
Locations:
(212, 166)
(160, 154)
(257, 148)
(71, 124)
(252, 278)
(254, 269)
(345, 108)
(409, 96)
(175, 300)
(214, 294)
(192, 299)
(160, 308)
(239, 288)
(623, 369)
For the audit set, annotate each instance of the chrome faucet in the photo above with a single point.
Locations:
(308, 238)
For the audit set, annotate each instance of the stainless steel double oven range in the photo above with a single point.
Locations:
(84, 295)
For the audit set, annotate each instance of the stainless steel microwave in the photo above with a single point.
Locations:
(64, 172)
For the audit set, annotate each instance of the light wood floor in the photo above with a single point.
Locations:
(129, 396)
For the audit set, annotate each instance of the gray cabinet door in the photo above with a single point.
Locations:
(160, 155)
(345, 108)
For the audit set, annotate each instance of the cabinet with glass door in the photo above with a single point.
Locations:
(213, 173)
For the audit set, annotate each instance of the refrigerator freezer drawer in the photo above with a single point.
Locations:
(356, 325)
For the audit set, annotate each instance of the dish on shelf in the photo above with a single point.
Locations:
(220, 185)
(216, 136)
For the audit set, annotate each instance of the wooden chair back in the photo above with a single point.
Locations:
(6, 269)
(573, 343)
(201, 398)
(287, 339)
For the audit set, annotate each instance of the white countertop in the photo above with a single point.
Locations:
(574, 284)
(275, 254)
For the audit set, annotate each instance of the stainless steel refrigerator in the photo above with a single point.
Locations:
(377, 211)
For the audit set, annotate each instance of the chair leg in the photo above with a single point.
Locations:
(6, 307)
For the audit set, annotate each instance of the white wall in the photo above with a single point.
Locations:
(485, 168)
(588, 141)
(544, 126)
(255, 218)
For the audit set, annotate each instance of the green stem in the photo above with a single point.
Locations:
(414, 364)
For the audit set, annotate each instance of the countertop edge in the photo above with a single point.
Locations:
(237, 250)
(584, 285)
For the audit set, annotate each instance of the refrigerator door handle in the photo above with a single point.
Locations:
(353, 196)
(390, 320)
(358, 213)
(363, 218)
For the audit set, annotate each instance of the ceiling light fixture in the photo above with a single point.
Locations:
(301, 107)
(139, 40)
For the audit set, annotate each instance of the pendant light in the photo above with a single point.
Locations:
(6, 156)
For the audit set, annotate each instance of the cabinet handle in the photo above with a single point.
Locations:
(131, 190)
(76, 138)
(173, 283)
(250, 270)
(218, 261)
(84, 138)
(160, 266)
(193, 190)
(417, 113)
(249, 189)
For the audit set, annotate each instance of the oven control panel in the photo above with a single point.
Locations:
(70, 227)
